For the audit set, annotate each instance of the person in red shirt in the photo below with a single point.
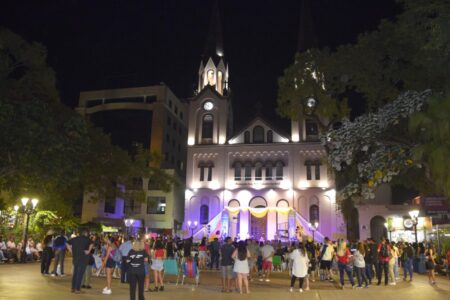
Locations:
(384, 251)
(343, 256)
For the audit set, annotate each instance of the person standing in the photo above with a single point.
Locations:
(343, 256)
(325, 257)
(80, 247)
(136, 259)
(300, 264)
(124, 249)
(47, 254)
(159, 254)
(109, 263)
(407, 261)
(360, 265)
(430, 263)
(226, 264)
(392, 256)
(267, 254)
(241, 268)
(59, 246)
(383, 251)
(215, 250)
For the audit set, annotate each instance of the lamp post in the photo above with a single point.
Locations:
(313, 227)
(192, 226)
(28, 208)
(414, 214)
(128, 223)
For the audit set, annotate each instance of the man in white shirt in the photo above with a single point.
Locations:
(326, 256)
(267, 252)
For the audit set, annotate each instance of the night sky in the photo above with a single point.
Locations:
(123, 43)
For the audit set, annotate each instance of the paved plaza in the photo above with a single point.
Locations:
(25, 282)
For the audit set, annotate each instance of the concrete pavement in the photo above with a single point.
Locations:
(19, 281)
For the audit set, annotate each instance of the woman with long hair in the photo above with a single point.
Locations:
(136, 259)
(159, 254)
(109, 263)
(343, 256)
(202, 254)
(241, 268)
(360, 265)
(300, 262)
(430, 263)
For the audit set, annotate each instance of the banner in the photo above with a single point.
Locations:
(258, 212)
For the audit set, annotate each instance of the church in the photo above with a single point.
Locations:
(258, 182)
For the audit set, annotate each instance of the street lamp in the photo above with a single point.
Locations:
(192, 226)
(28, 208)
(313, 227)
(128, 223)
(414, 214)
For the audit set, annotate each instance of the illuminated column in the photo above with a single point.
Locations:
(271, 225)
(243, 222)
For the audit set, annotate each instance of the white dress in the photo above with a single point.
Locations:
(299, 263)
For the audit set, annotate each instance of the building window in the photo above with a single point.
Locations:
(248, 171)
(150, 99)
(258, 134)
(202, 173)
(207, 126)
(237, 171)
(170, 103)
(258, 171)
(313, 213)
(204, 214)
(132, 207)
(247, 137)
(176, 109)
(308, 171)
(156, 205)
(317, 169)
(269, 171)
(169, 121)
(270, 136)
(210, 168)
(110, 205)
(312, 130)
(279, 170)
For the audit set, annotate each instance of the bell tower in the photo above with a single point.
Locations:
(210, 117)
(213, 69)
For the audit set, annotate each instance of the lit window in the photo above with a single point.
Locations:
(156, 205)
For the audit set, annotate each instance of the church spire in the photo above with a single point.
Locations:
(214, 41)
(307, 38)
(213, 69)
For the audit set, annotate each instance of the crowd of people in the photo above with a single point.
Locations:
(137, 260)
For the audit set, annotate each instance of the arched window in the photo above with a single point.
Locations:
(258, 171)
(248, 171)
(269, 168)
(204, 214)
(258, 134)
(207, 126)
(270, 136)
(312, 130)
(279, 170)
(237, 171)
(313, 213)
(247, 137)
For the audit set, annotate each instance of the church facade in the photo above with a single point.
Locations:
(259, 182)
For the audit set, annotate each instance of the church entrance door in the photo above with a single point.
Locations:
(258, 226)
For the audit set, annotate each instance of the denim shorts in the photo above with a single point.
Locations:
(110, 264)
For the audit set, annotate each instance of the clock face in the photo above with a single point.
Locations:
(408, 223)
(208, 105)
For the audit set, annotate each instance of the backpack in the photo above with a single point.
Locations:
(117, 256)
(384, 251)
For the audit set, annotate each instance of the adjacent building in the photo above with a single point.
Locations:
(155, 118)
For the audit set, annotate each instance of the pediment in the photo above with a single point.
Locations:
(258, 131)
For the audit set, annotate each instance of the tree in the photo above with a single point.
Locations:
(409, 53)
